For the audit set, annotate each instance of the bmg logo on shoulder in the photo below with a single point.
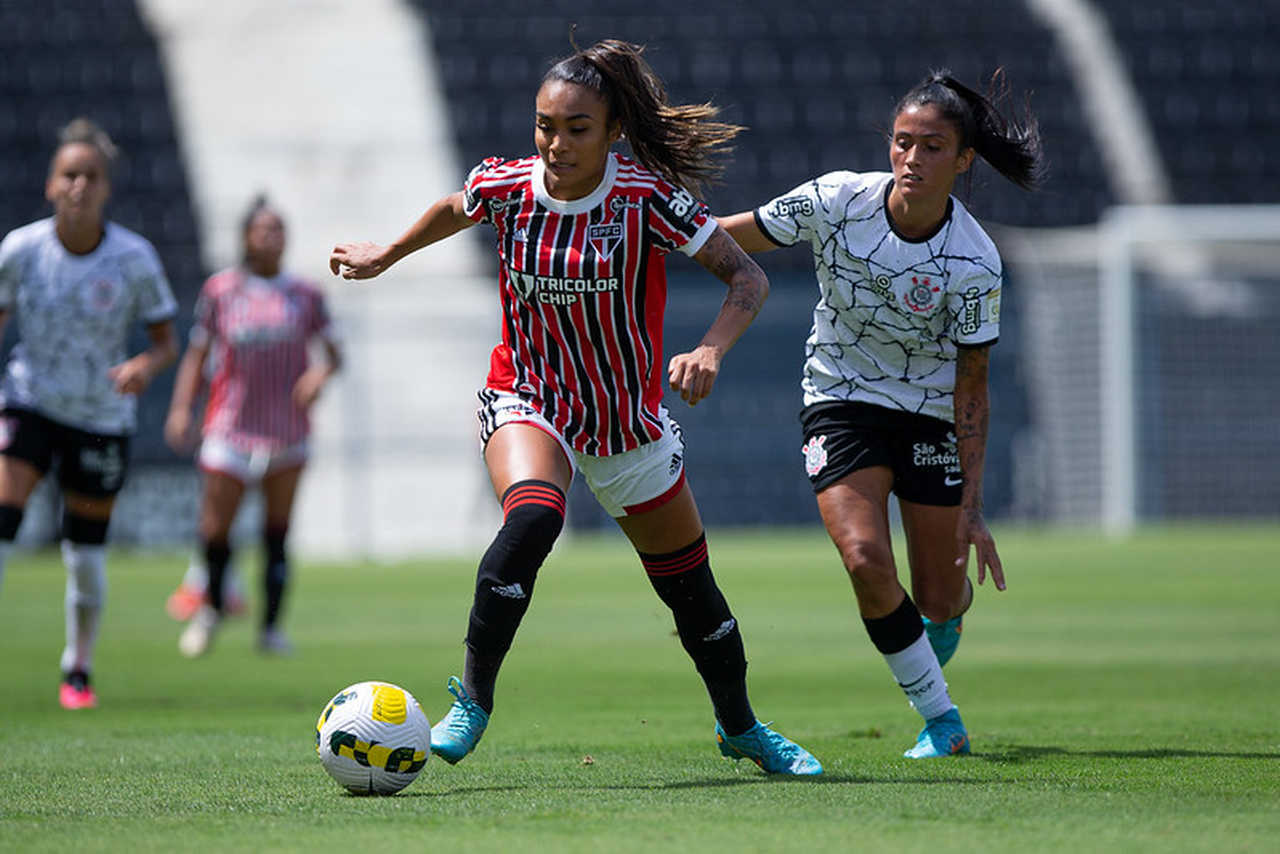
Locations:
(791, 206)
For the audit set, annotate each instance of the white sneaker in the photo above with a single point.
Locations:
(198, 635)
(273, 642)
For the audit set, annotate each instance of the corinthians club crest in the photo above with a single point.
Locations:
(815, 456)
(922, 296)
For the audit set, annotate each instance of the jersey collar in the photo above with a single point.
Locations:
(575, 206)
(884, 206)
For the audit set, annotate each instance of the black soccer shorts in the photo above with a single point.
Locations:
(846, 436)
(92, 464)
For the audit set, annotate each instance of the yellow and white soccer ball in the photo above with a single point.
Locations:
(373, 738)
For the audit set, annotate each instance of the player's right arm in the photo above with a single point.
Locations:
(366, 260)
(746, 232)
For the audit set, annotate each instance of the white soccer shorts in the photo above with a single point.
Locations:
(625, 484)
(249, 467)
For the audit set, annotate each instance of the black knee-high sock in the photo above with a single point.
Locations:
(217, 554)
(707, 629)
(533, 513)
(276, 575)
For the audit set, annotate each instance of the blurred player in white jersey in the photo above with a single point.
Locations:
(577, 384)
(257, 322)
(77, 284)
(895, 376)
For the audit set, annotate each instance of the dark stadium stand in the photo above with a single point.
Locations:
(814, 83)
(1208, 74)
(64, 58)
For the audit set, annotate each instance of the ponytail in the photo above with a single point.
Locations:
(680, 142)
(1013, 149)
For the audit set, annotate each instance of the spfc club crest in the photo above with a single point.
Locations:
(605, 238)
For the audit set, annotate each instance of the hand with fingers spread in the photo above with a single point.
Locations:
(694, 374)
(971, 529)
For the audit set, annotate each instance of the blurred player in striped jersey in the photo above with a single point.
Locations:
(577, 382)
(77, 285)
(256, 321)
(895, 379)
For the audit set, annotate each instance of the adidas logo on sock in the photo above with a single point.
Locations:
(511, 591)
(725, 628)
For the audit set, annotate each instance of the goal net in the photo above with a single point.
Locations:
(1152, 365)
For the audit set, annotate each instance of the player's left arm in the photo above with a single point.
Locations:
(132, 376)
(972, 414)
(694, 373)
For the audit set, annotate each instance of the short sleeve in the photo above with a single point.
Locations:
(475, 199)
(791, 217)
(974, 307)
(152, 294)
(10, 270)
(678, 221)
(205, 321)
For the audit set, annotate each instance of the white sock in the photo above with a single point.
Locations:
(197, 576)
(920, 677)
(86, 593)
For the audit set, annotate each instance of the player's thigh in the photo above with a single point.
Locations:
(666, 528)
(279, 488)
(519, 451)
(937, 584)
(18, 479)
(219, 501)
(91, 471)
(855, 512)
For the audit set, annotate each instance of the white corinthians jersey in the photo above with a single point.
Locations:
(890, 310)
(74, 316)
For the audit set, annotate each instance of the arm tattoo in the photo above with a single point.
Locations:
(972, 410)
(726, 260)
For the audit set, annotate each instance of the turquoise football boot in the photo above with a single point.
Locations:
(942, 736)
(459, 731)
(944, 637)
(773, 752)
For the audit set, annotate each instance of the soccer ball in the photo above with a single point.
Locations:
(373, 738)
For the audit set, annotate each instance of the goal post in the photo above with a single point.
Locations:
(1212, 273)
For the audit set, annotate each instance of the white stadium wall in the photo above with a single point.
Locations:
(348, 135)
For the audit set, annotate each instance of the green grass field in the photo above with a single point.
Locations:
(1120, 697)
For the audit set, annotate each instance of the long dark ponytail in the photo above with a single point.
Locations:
(681, 142)
(1011, 147)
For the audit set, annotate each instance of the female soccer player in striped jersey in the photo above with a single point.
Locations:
(77, 284)
(895, 379)
(576, 383)
(256, 321)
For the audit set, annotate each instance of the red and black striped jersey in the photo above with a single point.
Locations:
(584, 289)
(257, 330)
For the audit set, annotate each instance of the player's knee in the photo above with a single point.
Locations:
(533, 517)
(937, 607)
(868, 562)
(942, 602)
(86, 573)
